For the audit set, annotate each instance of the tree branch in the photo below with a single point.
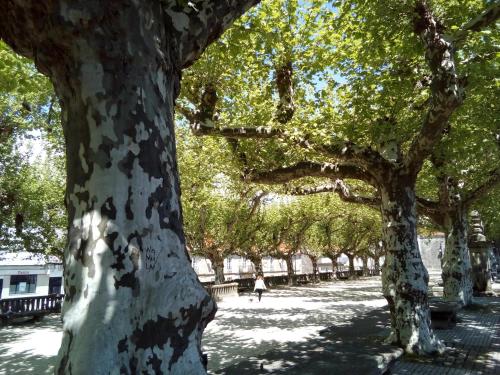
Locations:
(481, 191)
(197, 23)
(488, 17)
(342, 191)
(189, 114)
(446, 88)
(309, 169)
(260, 132)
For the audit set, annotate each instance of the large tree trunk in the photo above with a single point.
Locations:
(404, 277)
(132, 304)
(457, 267)
(292, 280)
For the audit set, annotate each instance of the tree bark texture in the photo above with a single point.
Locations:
(404, 277)
(456, 266)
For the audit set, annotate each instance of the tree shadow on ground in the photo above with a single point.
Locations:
(284, 328)
(355, 347)
(19, 352)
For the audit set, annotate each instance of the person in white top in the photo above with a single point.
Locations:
(260, 286)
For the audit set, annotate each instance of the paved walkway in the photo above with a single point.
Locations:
(333, 328)
(288, 330)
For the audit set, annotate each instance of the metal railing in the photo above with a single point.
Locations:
(30, 306)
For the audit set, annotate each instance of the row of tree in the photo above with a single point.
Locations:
(314, 94)
(396, 99)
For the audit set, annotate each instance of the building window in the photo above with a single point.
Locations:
(55, 284)
(22, 284)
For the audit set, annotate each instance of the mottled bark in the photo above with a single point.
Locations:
(284, 83)
(456, 266)
(404, 277)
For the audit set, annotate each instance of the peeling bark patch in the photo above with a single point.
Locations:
(158, 333)
(123, 345)
(129, 280)
(103, 157)
(155, 364)
(126, 164)
(118, 254)
(128, 209)
(71, 294)
(108, 209)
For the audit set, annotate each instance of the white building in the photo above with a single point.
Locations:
(24, 274)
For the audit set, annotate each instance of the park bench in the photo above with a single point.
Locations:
(35, 307)
(343, 275)
(443, 314)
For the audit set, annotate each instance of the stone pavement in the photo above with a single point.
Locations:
(473, 346)
(331, 328)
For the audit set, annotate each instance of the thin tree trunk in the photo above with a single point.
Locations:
(404, 277)
(314, 261)
(366, 271)
(292, 280)
(133, 304)
(335, 265)
(457, 269)
(376, 268)
(352, 271)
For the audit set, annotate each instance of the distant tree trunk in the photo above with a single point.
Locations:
(335, 265)
(314, 261)
(376, 267)
(292, 280)
(352, 271)
(257, 262)
(457, 269)
(404, 277)
(218, 267)
(366, 271)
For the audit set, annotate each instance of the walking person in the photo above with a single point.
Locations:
(260, 286)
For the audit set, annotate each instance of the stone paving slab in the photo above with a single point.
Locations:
(473, 346)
